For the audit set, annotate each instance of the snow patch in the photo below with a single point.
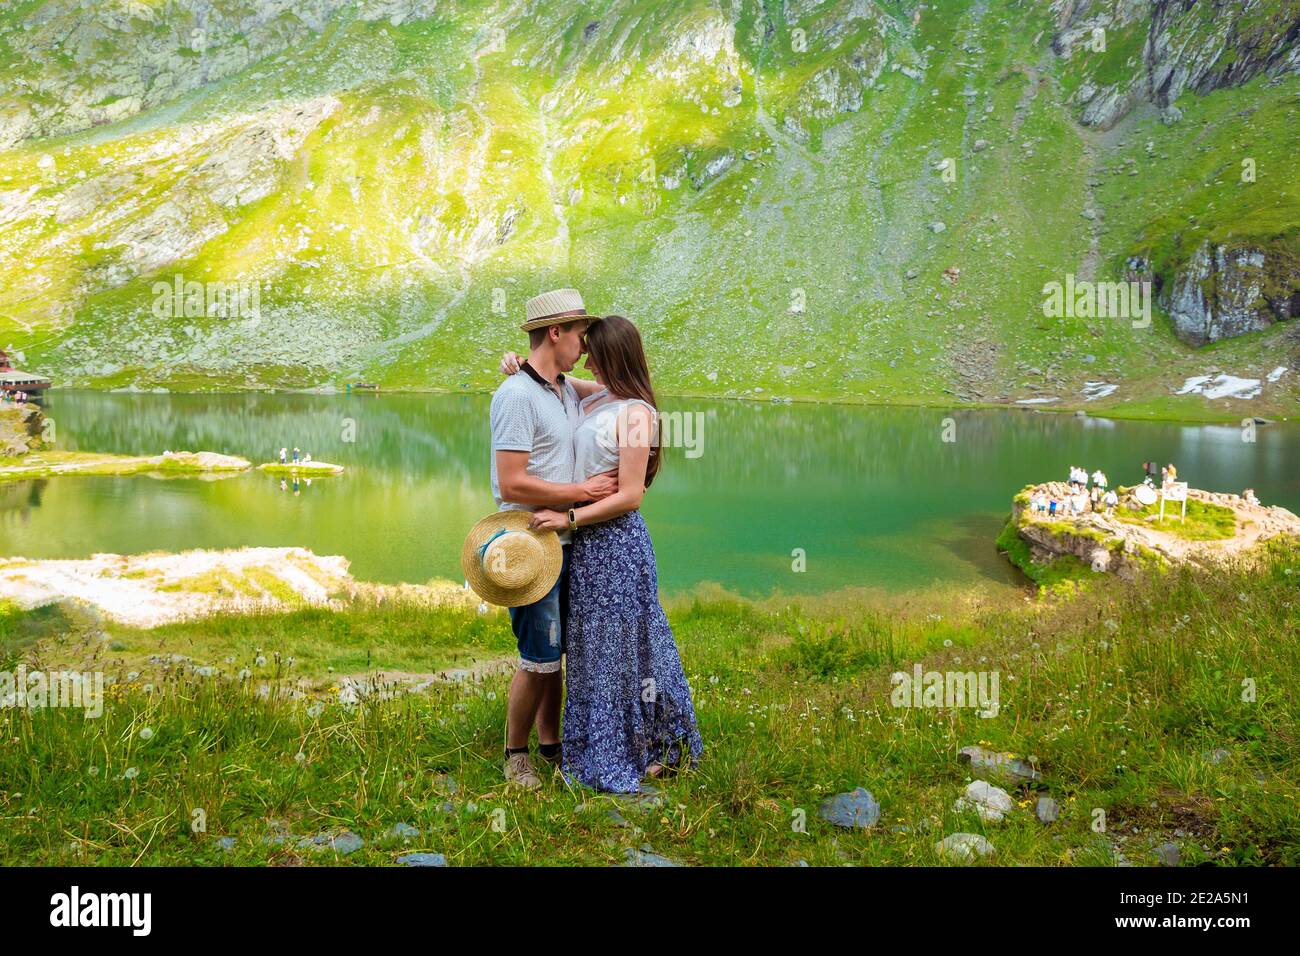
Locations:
(1222, 385)
(1095, 390)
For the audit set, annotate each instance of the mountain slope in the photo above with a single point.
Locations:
(857, 200)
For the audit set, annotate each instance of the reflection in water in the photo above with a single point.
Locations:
(18, 499)
(870, 496)
(294, 484)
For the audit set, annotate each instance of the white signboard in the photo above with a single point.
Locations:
(1174, 491)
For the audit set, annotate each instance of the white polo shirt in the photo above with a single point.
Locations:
(528, 415)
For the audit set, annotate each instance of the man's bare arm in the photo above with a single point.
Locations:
(519, 487)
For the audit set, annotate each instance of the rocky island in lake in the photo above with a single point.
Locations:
(1057, 548)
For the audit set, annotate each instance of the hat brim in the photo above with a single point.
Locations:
(549, 320)
(548, 571)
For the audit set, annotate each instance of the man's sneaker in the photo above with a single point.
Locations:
(519, 770)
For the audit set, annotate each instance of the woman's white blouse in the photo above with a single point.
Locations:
(595, 439)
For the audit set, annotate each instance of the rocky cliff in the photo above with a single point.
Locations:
(1131, 51)
(1224, 291)
(22, 429)
(1124, 53)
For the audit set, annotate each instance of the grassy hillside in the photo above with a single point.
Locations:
(772, 191)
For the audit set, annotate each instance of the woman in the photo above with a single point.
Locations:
(627, 711)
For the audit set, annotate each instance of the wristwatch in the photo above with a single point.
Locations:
(573, 521)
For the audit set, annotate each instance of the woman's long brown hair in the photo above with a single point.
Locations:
(615, 345)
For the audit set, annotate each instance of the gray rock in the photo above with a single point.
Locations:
(963, 846)
(857, 808)
(647, 799)
(618, 819)
(937, 227)
(1218, 755)
(1109, 106)
(912, 273)
(646, 857)
(401, 831)
(1226, 291)
(1167, 854)
(1002, 765)
(343, 843)
(422, 859)
(990, 802)
(445, 783)
(1047, 810)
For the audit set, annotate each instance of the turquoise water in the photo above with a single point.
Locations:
(872, 496)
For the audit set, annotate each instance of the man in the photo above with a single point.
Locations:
(532, 416)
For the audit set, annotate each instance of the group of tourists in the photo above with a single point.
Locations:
(1168, 474)
(298, 456)
(1081, 498)
(16, 396)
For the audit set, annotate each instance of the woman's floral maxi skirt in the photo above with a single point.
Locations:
(628, 704)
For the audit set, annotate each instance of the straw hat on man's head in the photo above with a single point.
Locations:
(508, 563)
(557, 307)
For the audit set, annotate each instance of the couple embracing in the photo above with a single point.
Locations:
(570, 556)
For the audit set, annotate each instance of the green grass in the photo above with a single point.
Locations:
(1117, 696)
(1204, 521)
(1063, 576)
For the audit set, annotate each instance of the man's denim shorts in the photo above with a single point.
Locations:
(539, 627)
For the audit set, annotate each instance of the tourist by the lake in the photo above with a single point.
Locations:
(296, 455)
(1250, 498)
(1051, 508)
(284, 456)
(532, 417)
(1099, 479)
(1110, 499)
(1094, 496)
(615, 734)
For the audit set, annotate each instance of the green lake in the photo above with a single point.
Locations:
(873, 497)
